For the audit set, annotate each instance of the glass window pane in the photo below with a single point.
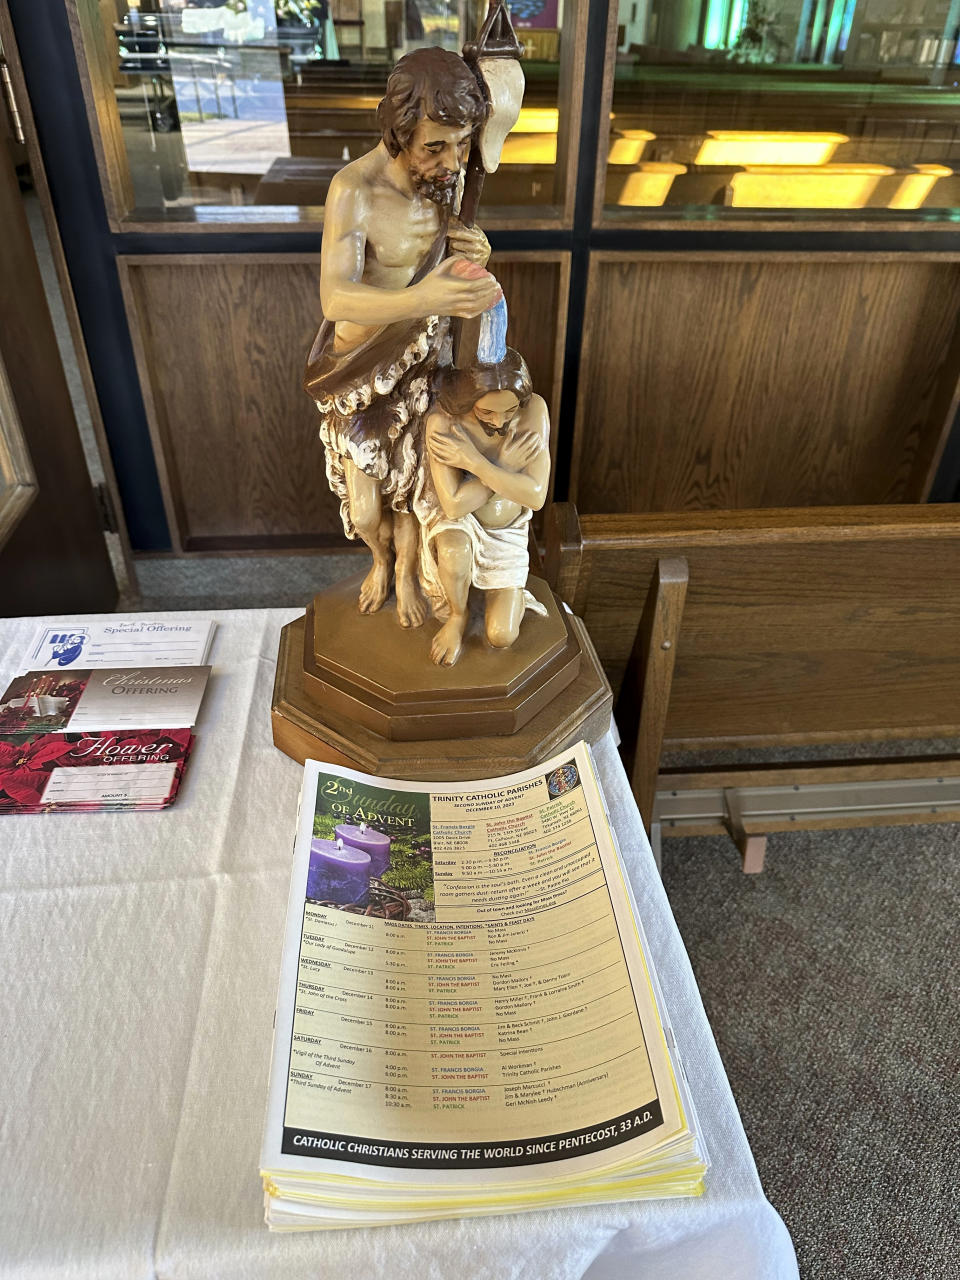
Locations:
(809, 105)
(260, 102)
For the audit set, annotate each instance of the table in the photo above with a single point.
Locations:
(141, 953)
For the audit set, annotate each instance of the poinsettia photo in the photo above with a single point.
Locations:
(25, 769)
(26, 764)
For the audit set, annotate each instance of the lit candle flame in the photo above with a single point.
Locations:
(339, 842)
(363, 827)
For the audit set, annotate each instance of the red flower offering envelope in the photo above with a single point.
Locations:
(126, 769)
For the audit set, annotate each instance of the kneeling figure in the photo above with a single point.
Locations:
(487, 444)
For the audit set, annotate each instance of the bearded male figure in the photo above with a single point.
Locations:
(387, 291)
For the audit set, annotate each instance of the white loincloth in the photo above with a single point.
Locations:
(499, 557)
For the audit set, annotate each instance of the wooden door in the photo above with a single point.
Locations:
(55, 559)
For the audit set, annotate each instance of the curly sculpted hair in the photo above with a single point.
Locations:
(432, 84)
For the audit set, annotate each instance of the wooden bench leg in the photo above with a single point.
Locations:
(753, 848)
(641, 710)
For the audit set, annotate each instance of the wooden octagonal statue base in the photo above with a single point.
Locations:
(361, 691)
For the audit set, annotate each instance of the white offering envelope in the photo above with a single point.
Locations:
(139, 642)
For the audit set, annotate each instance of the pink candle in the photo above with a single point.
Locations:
(372, 842)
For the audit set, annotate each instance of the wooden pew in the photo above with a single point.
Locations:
(799, 627)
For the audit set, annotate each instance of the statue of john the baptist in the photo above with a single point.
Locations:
(387, 290)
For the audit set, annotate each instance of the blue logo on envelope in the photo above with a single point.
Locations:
(67, 647)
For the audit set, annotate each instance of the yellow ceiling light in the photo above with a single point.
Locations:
(533, 139)
(915, 187)
(537, 120)
(628, 145)
(650, 183)
(726, 146)
(530, 148)
(833, 186)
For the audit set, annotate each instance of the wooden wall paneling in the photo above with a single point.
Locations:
(536, 285)
(732, 380)
(143, 338)
(221, 341)
(827, 625)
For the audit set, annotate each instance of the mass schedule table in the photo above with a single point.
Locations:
(141, 954)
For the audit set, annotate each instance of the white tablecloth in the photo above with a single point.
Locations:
(140, 961)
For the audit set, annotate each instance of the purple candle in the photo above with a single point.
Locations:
(373, 842)
(338, 873)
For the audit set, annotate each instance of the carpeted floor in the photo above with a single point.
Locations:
(238, 582)
(830, 981)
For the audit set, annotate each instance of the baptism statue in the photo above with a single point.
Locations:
(438, 449)
(397, 265)
(388, 288)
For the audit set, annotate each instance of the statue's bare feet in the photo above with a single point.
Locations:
(447, 643)
(411, 610)
(375, 587)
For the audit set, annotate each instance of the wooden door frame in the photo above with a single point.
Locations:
(18, 480)
(55, 557)
(42, 188)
